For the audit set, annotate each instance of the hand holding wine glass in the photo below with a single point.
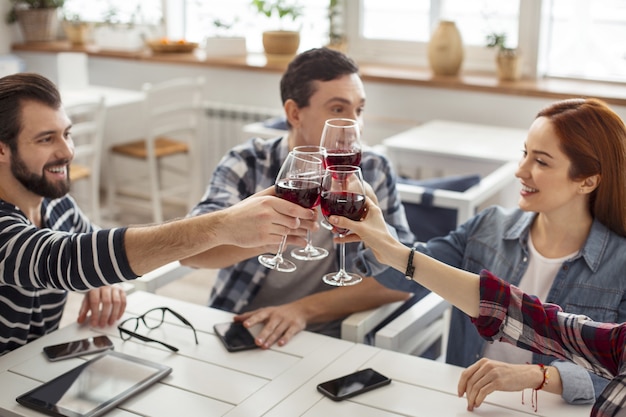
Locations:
(298, 181)
(341, 140)
(310, 252)
(343, 194)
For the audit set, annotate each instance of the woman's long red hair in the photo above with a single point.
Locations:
(594, 139)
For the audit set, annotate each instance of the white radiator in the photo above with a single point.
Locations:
(231, 124)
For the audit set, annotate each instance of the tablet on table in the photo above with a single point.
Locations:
(93, 388)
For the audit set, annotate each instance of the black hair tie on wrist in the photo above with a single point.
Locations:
(410, 269)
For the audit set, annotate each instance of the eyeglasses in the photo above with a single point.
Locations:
(155, 317)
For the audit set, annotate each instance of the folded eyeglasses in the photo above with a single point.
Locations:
(151, 319)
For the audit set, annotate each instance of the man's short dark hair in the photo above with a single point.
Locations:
(14, 90)
(321, 64)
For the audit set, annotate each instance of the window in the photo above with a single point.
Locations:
(562, 38)
(115, 11)
(242, 20)
(399, 30)
(585, 39)
(559, 38)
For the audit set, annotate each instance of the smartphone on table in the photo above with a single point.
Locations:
(235, 336)
(353, 384)
(77, 348)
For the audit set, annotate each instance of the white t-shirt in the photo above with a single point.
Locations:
(284, 287)
(537, 280)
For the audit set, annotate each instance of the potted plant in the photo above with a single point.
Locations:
(38, 19)
(280, 42)
(224, 41)
(124, 33)
(507, 59)
(336, 37)
(77, 31)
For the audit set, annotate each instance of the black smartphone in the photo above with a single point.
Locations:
(77, 348)
(353, 384)
(235, 336)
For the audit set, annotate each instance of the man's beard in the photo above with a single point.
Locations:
(38, 184)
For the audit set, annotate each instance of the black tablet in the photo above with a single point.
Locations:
(93, 388)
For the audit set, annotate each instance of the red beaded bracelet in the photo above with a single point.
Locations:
(544, 382)
(546, 377)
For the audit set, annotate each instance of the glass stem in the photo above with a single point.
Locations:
(342, 258)
(279, 254)
(309, 247)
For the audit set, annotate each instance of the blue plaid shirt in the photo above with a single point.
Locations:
(252, 167)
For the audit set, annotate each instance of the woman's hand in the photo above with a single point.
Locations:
(371, 229)
(486, 376)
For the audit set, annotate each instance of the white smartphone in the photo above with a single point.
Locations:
(77, 348)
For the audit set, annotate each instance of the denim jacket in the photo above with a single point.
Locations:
(590, 283)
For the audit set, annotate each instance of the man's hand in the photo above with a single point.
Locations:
(106, 304)
(263, 219)
(281, 323)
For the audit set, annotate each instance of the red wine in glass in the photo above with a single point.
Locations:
(346, 204)
(298, 181)
(310, 252)
(341, 139)
(343, 194)
(305, 193)
(342, 157)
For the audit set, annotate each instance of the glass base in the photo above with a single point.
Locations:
(342, 279)
(309, 253)
(277, 263)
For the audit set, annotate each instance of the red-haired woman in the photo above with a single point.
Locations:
(563, 244)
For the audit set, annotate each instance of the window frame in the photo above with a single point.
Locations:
(476, 58)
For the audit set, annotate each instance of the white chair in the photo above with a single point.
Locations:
(160, 277)
(358, 325)
(467, 203)
(87, 133)
(418, 328)
(172, 114)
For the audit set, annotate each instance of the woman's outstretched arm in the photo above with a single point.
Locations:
(459, 287)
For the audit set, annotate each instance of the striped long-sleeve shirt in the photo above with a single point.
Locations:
(38, 266)
(508, 314)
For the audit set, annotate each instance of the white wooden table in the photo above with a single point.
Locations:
(454, 148)
(441, 148)
(209, 381)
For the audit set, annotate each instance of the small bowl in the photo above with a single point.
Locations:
(171, 46)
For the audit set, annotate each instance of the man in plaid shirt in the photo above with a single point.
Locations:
(319, 84)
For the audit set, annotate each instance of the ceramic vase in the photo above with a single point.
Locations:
(445, 49)
(509, 65)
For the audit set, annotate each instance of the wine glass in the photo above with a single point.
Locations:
(343, 194)
(341, 139)
(298, 181)
(310, 252)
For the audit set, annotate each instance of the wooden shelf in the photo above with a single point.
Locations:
(553, 88)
